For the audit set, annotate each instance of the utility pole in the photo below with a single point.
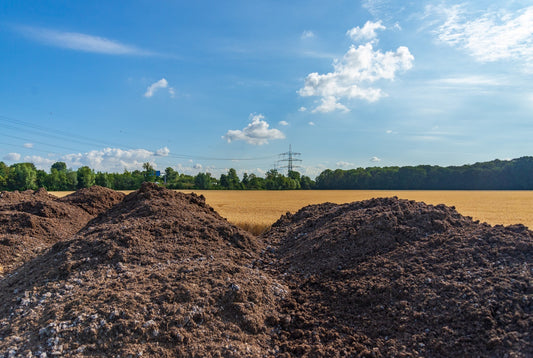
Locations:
(289, 157)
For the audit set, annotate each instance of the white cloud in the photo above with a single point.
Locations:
(113, 159)
(162, 83)
(28, 145)
(12, 157)
(257, 132)
(39, 162)
(470, 81)
(388, 131)
(359, 67)
(493, 36)
(197, 166)
(343, 164)
(302, 109)
(163, 152)
(80, 42)
(311, 123)
(283, 123)
(367, 32)
(307, 34)
(375, 159)
(330, 104)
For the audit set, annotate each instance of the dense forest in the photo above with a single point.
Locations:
(516, 174)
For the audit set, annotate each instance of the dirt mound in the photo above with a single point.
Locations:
(94, 200)
(160, 274)
(31, 221)
(390, 277)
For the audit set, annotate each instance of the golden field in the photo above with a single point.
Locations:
(257, 210)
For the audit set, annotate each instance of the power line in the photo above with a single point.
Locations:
(34, 129)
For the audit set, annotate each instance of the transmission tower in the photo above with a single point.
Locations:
(289, 157)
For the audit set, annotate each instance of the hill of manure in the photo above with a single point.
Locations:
(390, 277)
(159, 274)
(32, 221)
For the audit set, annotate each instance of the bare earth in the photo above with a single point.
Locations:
(161, 274)
(265, 207)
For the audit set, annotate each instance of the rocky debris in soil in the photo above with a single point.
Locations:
(390, 277)
(159, 274)
(31, 221)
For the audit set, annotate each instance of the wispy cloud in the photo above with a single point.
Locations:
(257, 132)
(12, 157)
(307, 34)
(470, 81)
(492, 36)
(162, 83)
(375, 160)
(80, 42)
(343, 164)
(283, 123)
(28, 145)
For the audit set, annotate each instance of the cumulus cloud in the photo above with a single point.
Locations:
(359, 67)
(80, 42)
(12, 157)
(492, 36)
(257, 132)
(311, 123)
(163, 152)
(367, 32)
(28, 145)
(388, 131)
(375, 159)
(113, 159)
(343, 164)
(302, 109)
(39, 162)
(283, 123)
(197, 166)
(162, 83)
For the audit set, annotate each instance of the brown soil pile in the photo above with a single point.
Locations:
(159, 274)
(32, 221)
(390, 277)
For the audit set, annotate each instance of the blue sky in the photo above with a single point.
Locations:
(210, 85)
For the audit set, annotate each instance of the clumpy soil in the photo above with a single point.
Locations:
(160, 273)
(390, 277)
(32, 221)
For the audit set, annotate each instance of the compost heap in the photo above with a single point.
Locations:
(162, 274)
(32, 221)
(390, 277)
(159, 274)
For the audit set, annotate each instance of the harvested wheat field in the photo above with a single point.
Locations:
(160, 273)
(257, 210)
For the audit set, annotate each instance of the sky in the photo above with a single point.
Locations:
(204, 86)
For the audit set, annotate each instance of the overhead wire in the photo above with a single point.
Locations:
(71, 137)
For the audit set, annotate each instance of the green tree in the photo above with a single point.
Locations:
(86, 177)
(22, 176)
(103, 179)
(203, 181)
(149, 172)
(59, 166)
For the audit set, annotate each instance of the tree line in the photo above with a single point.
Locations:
(515, 174)
(24, 176)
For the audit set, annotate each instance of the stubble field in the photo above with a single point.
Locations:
(257, 210)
